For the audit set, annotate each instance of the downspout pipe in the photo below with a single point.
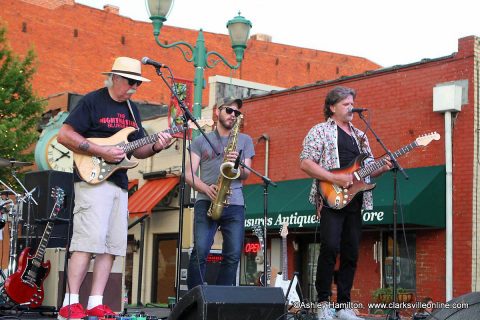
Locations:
(449, 208)
(265, 137)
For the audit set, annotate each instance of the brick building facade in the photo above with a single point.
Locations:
(74, 43)
(400, 101)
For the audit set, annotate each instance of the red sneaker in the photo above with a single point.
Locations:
(100, 311)
(71, 312)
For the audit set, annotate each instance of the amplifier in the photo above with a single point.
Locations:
(53, 285)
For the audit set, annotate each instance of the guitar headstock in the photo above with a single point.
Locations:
(425, 139)
(59, 195)
(258, 231)
(201, 122)
(284, 230)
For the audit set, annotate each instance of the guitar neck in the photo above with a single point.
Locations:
(284, 259)
(368, 169)
(131, 146)
(46, 235)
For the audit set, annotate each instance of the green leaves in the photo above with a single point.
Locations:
(20, 108)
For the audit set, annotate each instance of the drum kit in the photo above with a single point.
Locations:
(11, 211)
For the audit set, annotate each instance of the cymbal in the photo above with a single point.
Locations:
(7, 192)
(13, 163)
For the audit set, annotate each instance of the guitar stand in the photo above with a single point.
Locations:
(299, 292)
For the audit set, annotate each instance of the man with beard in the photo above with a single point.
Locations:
(100, 222)
(232, 220)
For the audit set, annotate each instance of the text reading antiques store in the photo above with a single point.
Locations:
(288, 203)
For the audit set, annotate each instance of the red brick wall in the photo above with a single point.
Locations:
(68, 63)
(400, 109)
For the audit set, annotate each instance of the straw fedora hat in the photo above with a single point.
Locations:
(128, 68)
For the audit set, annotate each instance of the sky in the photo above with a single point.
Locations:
(387, 32)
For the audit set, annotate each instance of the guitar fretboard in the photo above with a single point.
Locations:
(59, 195)
(131, 146)
(368, 169)
(285, 259)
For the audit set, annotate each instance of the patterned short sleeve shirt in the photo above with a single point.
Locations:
(321, 146)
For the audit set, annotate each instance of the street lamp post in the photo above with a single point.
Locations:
(238, 27)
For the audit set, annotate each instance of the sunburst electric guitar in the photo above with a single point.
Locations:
(282, 277)
(25, 286)
(94, 170)
(338, 197)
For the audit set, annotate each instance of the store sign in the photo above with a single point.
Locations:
(373, 216)
(299, 220)
(277, 220)
(251, 247)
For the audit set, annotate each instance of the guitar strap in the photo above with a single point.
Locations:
(133, 116)
(318, 202)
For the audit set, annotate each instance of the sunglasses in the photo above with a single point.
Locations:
(132, 82)
(229, 110)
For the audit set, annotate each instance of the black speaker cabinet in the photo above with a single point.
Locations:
(44, 181)
(461, 308)
(230, 303)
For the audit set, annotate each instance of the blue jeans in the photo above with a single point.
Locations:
(232, 226)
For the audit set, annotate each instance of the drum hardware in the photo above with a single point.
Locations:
(16, 216)
(13, 163)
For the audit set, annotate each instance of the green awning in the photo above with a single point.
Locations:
(421, 200)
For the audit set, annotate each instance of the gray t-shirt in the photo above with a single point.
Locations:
(210, 162)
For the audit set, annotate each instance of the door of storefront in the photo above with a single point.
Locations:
(164, 259)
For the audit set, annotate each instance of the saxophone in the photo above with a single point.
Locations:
(227, 175)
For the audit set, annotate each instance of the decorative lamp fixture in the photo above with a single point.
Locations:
(239, 30)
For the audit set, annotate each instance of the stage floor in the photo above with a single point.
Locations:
(160, 313)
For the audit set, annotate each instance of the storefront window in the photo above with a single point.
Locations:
(405, 260)
(252, 262)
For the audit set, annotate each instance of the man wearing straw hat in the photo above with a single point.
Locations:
(100, 222)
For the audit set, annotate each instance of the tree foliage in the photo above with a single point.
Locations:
(20, 108)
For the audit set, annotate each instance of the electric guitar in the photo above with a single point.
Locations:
(258, 231)
(25, 286)
(338, 197)
(93, 169)
(283, 281)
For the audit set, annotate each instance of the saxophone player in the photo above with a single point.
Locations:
(229, 143)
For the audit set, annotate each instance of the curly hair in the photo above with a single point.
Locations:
(335, 95)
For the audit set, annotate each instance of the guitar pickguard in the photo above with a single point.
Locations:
(34, 273)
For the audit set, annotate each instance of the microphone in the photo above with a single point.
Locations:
(147, 60)
(357, 110)
(237, 162)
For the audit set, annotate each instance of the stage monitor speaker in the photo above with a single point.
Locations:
(461, 308)
(53, 285)
(44, 181)
(230, 303)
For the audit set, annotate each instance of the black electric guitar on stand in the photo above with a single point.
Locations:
(25, 286)
(261, 259)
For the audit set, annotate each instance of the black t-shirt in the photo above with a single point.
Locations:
(347, 148)
(348, 151)
(97, 115)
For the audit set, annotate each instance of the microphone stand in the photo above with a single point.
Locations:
(266, 183)
(396, 167)
(187, 115)
(29, 198)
